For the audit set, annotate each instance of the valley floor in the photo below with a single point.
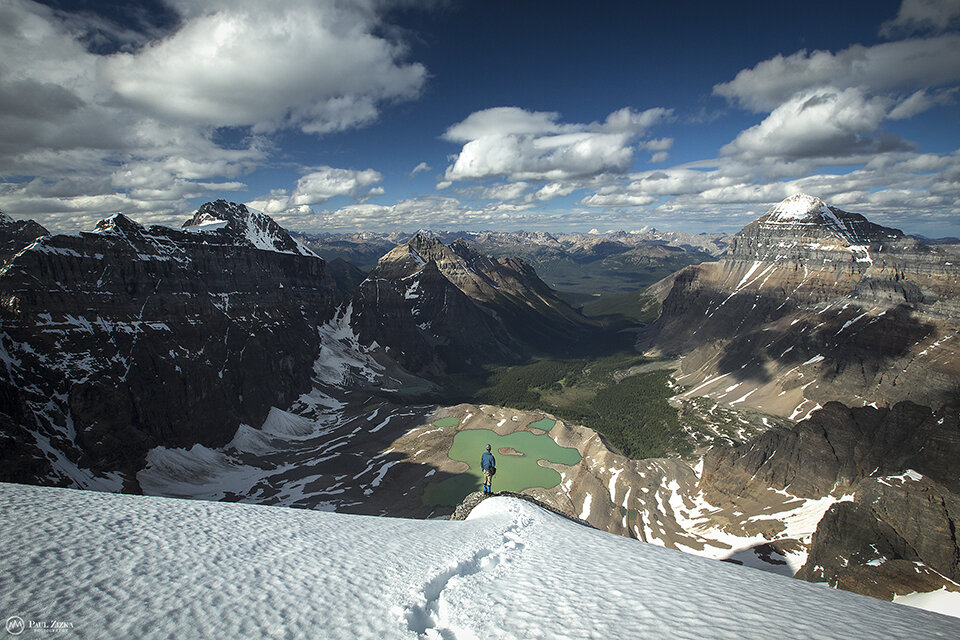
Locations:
(110, 565)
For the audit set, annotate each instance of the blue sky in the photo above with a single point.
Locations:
(386, 115)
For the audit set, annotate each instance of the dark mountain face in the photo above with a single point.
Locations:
(836, 448)
(813, 304)
(16, 235)
(130, 337)
(438, 307)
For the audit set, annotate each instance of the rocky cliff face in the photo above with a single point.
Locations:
(894, 472)
(836, 448)
(437, 307)
(897, 537)
(814, 304)
(126, 338)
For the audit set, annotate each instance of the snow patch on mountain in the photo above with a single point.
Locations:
(342, 358)
(798, 207)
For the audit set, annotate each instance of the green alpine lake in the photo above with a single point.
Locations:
(514, 472)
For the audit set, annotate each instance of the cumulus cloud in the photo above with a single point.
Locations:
(318, 186)
(425, 212)
(920, 16)
(906, 65)
(823, 123)
(447, 212)
(920, 101)
(898, 188)
(504, 191)
(140, 111)
(617, 200)
(523, 145)
(314, 66)
(554, 190)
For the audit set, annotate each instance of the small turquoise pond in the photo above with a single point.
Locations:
(514, 472)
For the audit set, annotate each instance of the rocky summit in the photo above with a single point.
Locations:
(435, 307)
(240, 225)
(813, 304)
(16, 235)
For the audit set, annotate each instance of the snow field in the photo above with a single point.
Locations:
(133, 566)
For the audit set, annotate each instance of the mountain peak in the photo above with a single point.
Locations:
(118, 223)
(814, 216)
(428, 247)
(244, 226)
(799, 207)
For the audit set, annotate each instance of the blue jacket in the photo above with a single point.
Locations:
(487, 461)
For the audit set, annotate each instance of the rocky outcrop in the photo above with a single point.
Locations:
(834, 449)
(897, 537)
(892, 475)
(445, 308)
(130, 337)
(813, 304)
(471, 501)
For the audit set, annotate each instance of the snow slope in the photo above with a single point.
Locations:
(112, 565)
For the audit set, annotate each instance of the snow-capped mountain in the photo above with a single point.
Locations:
(244, 226)
(801, 210)
(813, 304)
(123, 566)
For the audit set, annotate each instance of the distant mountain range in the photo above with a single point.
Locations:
(589, 264)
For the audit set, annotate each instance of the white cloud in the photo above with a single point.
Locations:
(423, 166)
(315, 66)
(617, 200)
(658, 144)
(920, 101)
(504, 191)
(659, 156)
(893, 66)
(522, 145)
(319, 186)
(504, 121)
(554, 190)
(918, 16)
(144, 121)
(822, 123)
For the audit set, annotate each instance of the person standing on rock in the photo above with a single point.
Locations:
(489, 466)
